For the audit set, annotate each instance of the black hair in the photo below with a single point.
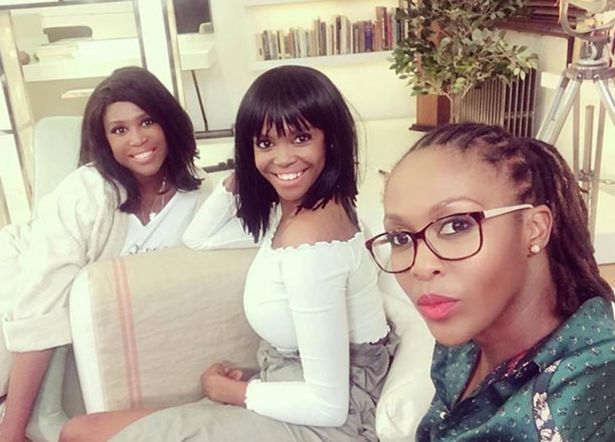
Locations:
(139, 86)
(540, 175)
(294, 97)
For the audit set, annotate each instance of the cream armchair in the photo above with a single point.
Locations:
(55, 146)
(145, 327)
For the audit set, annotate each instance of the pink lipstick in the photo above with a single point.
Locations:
(436, 307)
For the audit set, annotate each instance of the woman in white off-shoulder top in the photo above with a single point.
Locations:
(311, 292)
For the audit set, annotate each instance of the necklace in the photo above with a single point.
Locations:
(160, 198)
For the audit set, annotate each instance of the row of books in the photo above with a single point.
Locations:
(340, 36)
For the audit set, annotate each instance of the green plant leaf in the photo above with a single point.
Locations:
(451, 49)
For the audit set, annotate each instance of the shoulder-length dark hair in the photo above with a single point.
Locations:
(142, 88)
(294, 97)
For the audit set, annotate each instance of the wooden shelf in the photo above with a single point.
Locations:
(325, 60)
(534, 27)
(72, 68)
(93, 58)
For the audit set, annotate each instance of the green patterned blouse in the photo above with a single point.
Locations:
(561, 390)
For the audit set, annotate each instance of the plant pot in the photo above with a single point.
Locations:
(431, 111)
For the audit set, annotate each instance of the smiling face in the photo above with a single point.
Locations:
(137, 141)
(460, 300)
(291, 162)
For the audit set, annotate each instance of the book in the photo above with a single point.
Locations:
(337, 36)
(260, 50)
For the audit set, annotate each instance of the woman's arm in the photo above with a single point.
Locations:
(51, 250)
(27, 372)
(216, 225)
(315, 279)
(61, 239)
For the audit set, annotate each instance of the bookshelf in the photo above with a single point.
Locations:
(325, 60)
(318, 32)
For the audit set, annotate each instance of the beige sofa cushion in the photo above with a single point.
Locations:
(145, 327)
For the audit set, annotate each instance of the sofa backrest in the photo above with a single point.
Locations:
(55, 151)
(146, 326)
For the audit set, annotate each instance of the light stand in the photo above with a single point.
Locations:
(592, 65)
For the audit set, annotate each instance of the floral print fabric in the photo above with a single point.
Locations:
(562, 390)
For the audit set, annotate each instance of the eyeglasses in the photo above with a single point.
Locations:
(451, 238)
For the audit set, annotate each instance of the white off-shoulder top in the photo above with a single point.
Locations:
(315, 298)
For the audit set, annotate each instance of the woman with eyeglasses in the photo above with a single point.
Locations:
(487, 234)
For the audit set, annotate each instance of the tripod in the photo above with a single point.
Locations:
(592, 65)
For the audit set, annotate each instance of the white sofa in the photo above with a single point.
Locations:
(145, 327)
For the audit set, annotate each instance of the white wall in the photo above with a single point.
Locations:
(371, 88)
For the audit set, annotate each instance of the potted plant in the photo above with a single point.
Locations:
(452, 46)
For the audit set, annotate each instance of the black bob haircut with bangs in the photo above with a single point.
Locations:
(294, 97)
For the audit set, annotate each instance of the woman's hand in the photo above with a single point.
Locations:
(223, 383)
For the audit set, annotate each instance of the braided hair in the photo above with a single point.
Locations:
(540, 175)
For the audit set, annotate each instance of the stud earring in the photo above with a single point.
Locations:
(534, 249)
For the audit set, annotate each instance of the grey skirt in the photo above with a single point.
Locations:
(207, 420)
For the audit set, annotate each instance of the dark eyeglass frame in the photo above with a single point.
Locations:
(479, 216)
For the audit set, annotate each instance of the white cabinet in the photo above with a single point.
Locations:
(196, 51)
(113, 40)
